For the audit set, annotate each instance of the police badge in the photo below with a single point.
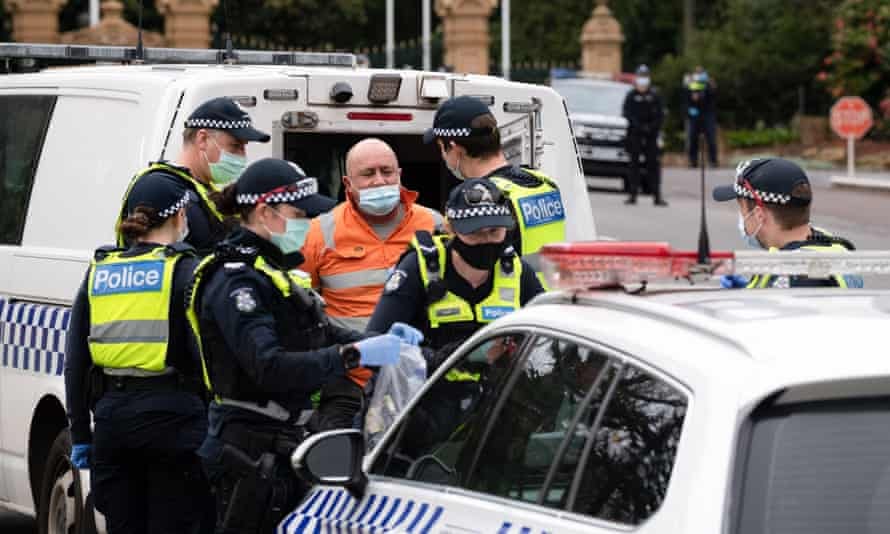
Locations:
(244, 300)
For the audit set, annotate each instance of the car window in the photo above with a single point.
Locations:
(815, 468)
(630, 455)
(23, 123)
(595, 99)
(437, 440)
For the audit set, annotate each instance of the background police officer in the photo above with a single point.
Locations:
(450, 287)
(644, 114)
(774, 198)
(128, 323)
(470, 142)
(701, 114)
(213, 155)
(267, 347)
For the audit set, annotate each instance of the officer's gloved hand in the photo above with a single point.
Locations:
(379, 350)
(407, 333)
(733, 281)
(81, 455)
(693, 112)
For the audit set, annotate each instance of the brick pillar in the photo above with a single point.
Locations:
(187, 22)
(601, 41)
(465, 28)
(35, 21)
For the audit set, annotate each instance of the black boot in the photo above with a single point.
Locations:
(660, 202)
(630, 201)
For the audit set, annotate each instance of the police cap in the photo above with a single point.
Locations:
(454, 119)
(162, 193)
(276, 181)
(224, 114)
(476, 204)
(770, 181)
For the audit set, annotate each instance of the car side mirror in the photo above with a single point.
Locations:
(333, 458)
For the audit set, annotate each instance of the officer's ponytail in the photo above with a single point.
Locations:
(227, 205)
(139, 223)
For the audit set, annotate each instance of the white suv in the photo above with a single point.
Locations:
(698, 411)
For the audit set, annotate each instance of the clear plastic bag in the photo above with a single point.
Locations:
(394, 387)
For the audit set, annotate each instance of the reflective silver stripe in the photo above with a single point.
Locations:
(507, 294)
(438, 221)
(369, 277)
(534, 261)
(350, 323)
(133, 371)
(326, 223)
(138, 331)
(272, 408)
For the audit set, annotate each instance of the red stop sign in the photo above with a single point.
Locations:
(851, 117)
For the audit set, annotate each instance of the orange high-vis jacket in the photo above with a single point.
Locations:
(349, 263)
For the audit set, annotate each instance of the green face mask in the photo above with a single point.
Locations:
(228, 168)
(293, 237)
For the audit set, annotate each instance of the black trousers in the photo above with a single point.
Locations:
(706, 125)
(647, 145)
(146, 475)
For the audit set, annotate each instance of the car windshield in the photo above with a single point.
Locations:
(818, 468)
(593, 98)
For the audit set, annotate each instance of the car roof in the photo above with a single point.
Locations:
(777, 337)
(590, 82)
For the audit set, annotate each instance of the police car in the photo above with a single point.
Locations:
(637, 407)
(71, 139)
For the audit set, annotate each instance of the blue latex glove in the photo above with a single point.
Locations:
(81, 455)
(693, 112)
(379, 350)
(733, 281)
(407, 333)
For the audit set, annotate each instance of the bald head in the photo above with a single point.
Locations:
(370, 163)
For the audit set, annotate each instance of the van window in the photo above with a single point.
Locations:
(819, 467)
(324, 157)
(24, 120)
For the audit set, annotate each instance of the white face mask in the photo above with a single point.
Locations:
(750, 240)
(643, 83)
(185, 230)
(456, 169)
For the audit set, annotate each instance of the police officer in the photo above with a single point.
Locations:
(470, 143)
(644, 114)
(267, 347)
(450, 287)
(774, 197)
(701, 111)
(213, 155)
(131, 359)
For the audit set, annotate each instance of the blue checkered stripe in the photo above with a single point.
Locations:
(335, 511)
(510, 528)
(33, 337)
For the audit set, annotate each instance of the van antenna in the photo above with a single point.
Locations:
(704, 243)
(229, 55)
(139, 56)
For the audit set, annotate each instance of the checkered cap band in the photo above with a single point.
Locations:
(175, 207)
(453, 132)
(290, 193)
(766, 196)
(489, 210)
(214, 124)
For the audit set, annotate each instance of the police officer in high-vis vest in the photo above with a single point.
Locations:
(774, 198)
(214, 154)
(267, 347)
(130, 358)
(468, 137)
(449, 287)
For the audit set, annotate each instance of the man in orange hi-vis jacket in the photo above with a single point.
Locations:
(350, 250)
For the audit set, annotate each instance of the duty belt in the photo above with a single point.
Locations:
(135, 384)
(255, 442)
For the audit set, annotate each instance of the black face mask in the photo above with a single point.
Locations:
(482, 257)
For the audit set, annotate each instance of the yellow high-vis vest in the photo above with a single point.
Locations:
(129, 301)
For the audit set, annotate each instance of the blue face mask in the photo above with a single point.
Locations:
(750, 240)
(293, 237)
(379, 200)
(228, 168)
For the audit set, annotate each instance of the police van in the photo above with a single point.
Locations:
(71, 139)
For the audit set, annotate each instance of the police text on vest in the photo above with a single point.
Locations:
(128, 278)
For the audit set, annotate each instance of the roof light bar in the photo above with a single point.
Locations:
(172, 55)
(608, 263)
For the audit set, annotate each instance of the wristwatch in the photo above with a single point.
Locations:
(351, 356)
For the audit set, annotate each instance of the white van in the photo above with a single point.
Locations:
(71, 139)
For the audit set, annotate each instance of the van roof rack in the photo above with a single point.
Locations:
(126, 54)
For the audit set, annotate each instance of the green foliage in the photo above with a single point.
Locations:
(549, 30)
(759, 137)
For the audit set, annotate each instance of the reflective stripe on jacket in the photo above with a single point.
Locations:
(349, 262)
(130, 309)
